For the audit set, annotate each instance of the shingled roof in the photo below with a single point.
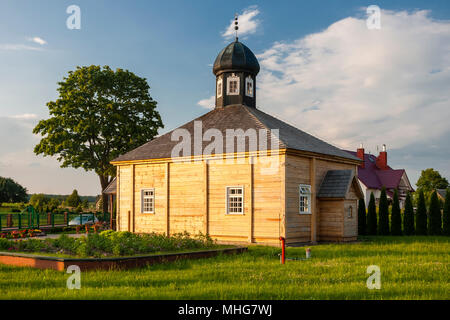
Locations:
(111, 188)
(336, 184)
(238, 117)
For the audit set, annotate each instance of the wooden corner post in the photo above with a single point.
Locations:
(312, 175)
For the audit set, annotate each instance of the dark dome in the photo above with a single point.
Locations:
(236, 57)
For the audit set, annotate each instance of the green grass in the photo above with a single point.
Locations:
(411, 268)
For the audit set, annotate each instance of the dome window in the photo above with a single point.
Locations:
(219, 87)
(233, 85)
(249, 86)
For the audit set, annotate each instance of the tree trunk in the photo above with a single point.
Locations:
(104, 181)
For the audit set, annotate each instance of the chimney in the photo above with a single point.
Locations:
(360, 154)
(382, 159)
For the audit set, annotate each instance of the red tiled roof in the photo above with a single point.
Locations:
(374, 178)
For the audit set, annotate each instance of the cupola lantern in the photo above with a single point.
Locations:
(235, 69)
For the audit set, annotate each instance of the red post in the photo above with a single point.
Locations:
(283, 249)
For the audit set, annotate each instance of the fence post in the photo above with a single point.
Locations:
(9, 220)
(20, 221)
(0, 222)
(66, 217)
(37, 219)
(53, 219)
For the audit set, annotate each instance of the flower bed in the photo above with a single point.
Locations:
(24, 233)
(110, 243)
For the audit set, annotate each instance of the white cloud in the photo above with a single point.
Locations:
(248, 23)
(25, 116)
(18, 47)
(38, 40)
(348, 84)
(207, 103)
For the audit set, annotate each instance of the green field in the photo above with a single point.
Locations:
(411, 268)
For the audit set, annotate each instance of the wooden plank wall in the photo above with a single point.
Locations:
(197, 199)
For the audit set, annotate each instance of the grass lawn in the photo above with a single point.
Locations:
(411, 268)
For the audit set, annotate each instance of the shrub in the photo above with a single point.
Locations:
(396, 218)
(446, 218)
(372, 216)
(408, 219)
(361, 217)
(383, 225)
(421, 215)
(435, 220)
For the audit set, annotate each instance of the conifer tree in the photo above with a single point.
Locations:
(383, 212)
(421, 215)
(446, 218)
(361, 217)
(408, 217)
(435, 219)
(372, 216)
(396, 217)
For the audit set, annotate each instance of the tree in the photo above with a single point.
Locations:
(85, 204)
(73, 200)
(396, 217)
(435, 220)
(421, 215)
(11, 191)
(372, 216)
(39, 201)
(99, 115)
(362, 217)
(446, 218)
(53, 204)
(383, 225)
(408, 216)
(430, 180)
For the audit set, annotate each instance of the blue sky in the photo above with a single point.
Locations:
(174, 43)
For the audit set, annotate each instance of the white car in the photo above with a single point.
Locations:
(85, 219)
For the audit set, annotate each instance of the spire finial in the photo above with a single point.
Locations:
(236, 25)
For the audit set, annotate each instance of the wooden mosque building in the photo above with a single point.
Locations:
(273, 181)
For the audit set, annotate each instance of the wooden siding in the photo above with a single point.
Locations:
(191, 196)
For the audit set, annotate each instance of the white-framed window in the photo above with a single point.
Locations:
(249, 86)
(233, 85)
(219, 87)
(304, 199)
(235, 200)
(350, 212)
(148, 200)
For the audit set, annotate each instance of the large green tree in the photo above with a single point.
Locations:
(435, 219)
(429, 181)
(362, 224)
(446, 217)
(421, 215)
(383, 212)
(408, 219)
(99, 115)
(11, 191)
(372, 216)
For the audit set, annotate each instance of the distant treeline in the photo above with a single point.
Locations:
(61, 197)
